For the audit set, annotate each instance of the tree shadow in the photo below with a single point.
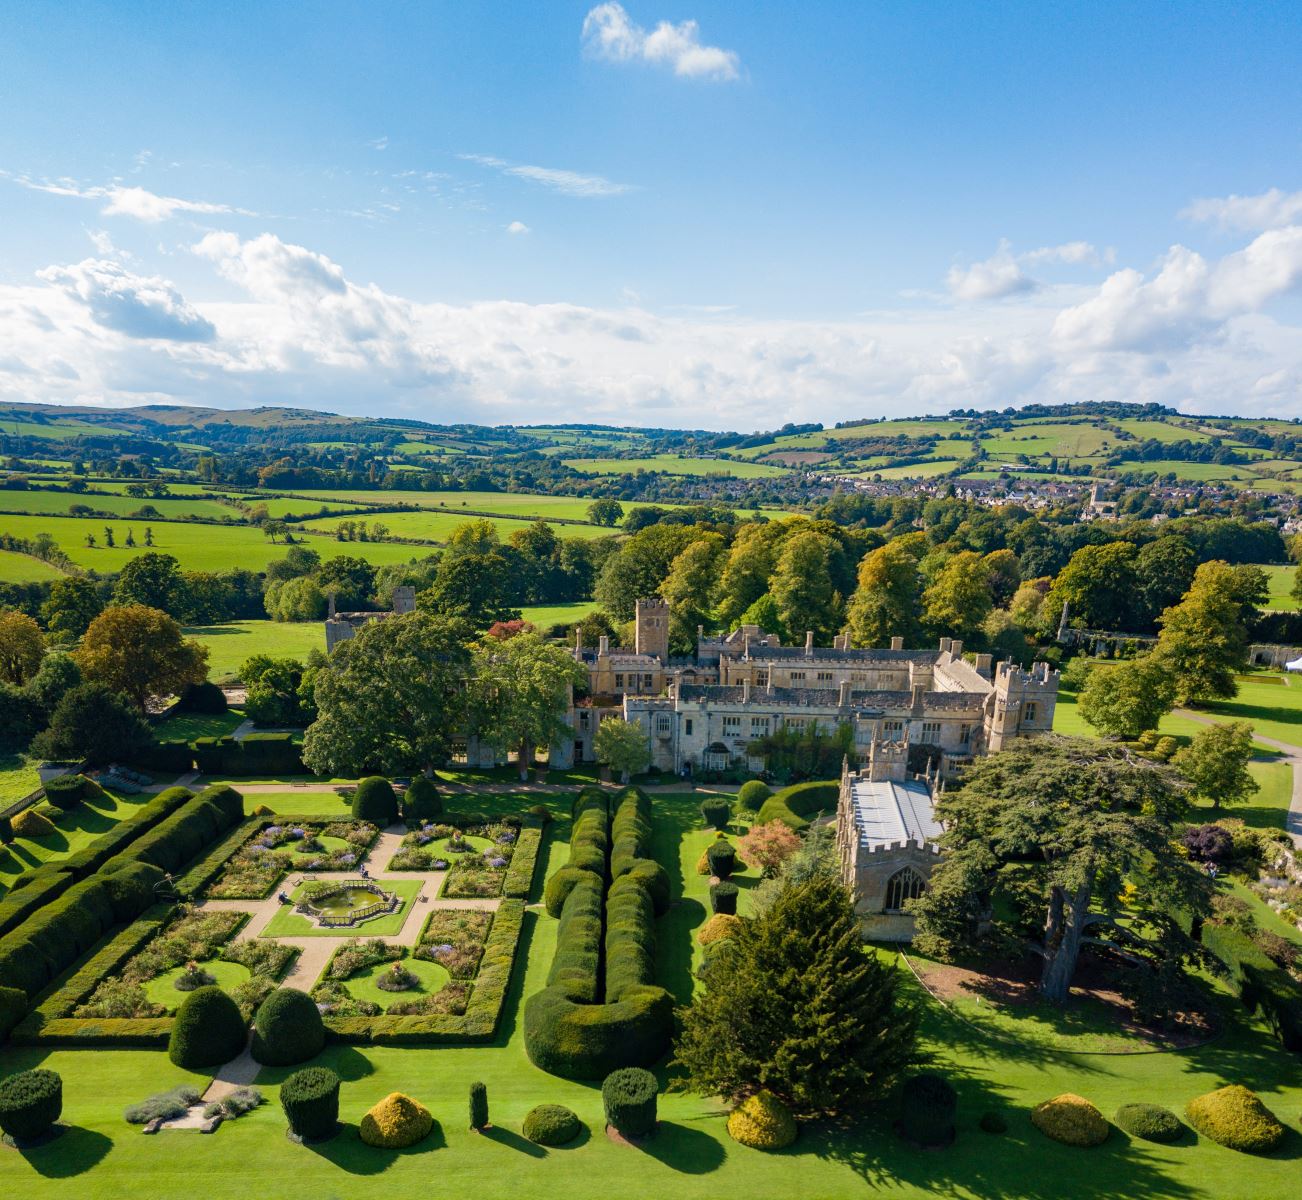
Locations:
(513, 1141)
(73, 1152)
(684, 1149)
(510, 1012)
(348, 1152)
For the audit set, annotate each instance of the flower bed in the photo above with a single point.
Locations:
(378, 970)
(272, 851)
(455, 939)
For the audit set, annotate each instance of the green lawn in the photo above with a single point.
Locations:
(17, 778)
(231, 645)
(185, 727)
(364, 985)
(546, 615)
(23, 568)
(288, 923)
(102, 1158)
(1281, 586)
(162, 988)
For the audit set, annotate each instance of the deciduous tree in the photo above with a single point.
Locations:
(140, 652)
(622, 746)
(1125, 700)
(959, 599)
(74, 602)
(1203, 642)
(888, 601)
(1216, 764)
(22, 646)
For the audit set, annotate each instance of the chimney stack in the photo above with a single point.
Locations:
(956, 648)
(984, 663)
(897, 643)
(603, 646)
(578, 641)
(809, 643)
(844, 698)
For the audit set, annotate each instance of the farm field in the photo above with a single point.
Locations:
(922, 470)
(1281, 586)
(437, 526)
(102, 1157)
(23, 568)
(544, 615)
(196, 547)
(673, 464)
(58, 503)
(229, 646)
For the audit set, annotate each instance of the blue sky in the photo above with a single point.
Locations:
(726, 215)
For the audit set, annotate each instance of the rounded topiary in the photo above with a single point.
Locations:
(208, 1030)
(722, 857)
(629, 1097)
(421, 801)
(375, 801)
(551, 1125)
(287, 1029)
(6, 831)
(395, 1122)
(1072, 1120)
(716, 812)
(752, 794)
(1235, 1118)
(67, 791)
(1151, 1122)
(478, 1106)
(721, 925)
(928, 1103)
(30, 1103)
(992, 1122)
(762, 1122)
(31, 824)
(310, 1098)
(203, 697)
(723, 898)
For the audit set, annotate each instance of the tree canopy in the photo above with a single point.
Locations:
(140, 652)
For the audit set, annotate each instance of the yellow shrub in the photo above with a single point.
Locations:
(1072, 1120)
(395, 1122)
(703, 864)
(31, 824)
(762, 1122)
(1235, 1117)
(721, 925)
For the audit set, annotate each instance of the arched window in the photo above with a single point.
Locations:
(904, 885)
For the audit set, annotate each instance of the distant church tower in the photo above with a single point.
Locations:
(651, 634)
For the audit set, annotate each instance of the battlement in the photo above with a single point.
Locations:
(883, 848)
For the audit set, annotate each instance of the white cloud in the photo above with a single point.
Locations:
(380, 143)
(568, 183)
(518, 227)
(135, 202)
(609, 33)
(1072, 253)
(134, 305)
(1267, 210)
(998, 276)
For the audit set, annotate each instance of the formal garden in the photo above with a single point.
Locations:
(495, 1025)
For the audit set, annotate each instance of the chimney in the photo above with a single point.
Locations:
(809, 643)
(844, 698)
(984, 662)
(745, 690)
(330, 611)
(897, 643)
(945, 644)
(603, 646)
(578, 641)
(956, 648)
(918, 691)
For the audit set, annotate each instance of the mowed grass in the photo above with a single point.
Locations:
(230, 646)
(288, 923)
(196, 547)
(100, 1157)
(675, 464)
(18, 778)
(23, 568)
(1280, 579)
(547, 615)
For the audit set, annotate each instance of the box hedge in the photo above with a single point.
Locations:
(375, 801)
(310, 1098)
(798, 804)
(1072, 1120)
(167, 758)
(1151, 1122)
(551, 1125)
(629, 1099)
(421, 801)
(67, 791)
(396, 1122)
(208, 1030)
(287, 1029)
(752, 794)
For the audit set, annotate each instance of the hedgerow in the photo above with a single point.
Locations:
(795, 805)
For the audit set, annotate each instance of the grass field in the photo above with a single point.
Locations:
(1281, 587)
(229, 646)
(196, 547)
(17, 779)
(101, 1157)
(922, 470)
(23, 568)
(544, 615)
(674, 464)
(185, 727)
(58, 504)
(436, 526)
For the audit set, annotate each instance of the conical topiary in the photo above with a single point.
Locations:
(762, 1122)
(395, 1122)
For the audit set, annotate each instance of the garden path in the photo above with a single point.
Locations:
(1290, 754)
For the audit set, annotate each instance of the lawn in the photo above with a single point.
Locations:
(23, 568)
(1281, 586)
(288, 923)
(17, 779)
(185, 727)
(547, 615)
(690, 1156)
(231, 645)
(324, 803)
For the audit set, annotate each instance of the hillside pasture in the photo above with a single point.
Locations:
(23, 568)
(231, 645)
(58, 504)
(674, 464)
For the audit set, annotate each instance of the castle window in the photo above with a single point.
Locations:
(646, 682)
(931, 731)
(824, 676)
(965, 734)
(662, 724)
(759, 723)
(797, 677)
(619, 681)
(733, 723)
(1028, 711)
(688, 726)
(893, 730)
(903, 885)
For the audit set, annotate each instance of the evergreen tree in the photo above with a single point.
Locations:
(802, 1009)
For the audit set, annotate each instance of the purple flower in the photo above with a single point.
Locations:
(439, 864)
(274, 830)
(497, 862)
(444, 948)
(506, 838)
(347, 860)
(297, 834)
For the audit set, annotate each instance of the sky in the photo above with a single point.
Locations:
(655, 212)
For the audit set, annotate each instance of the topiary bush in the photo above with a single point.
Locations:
(752, 794)
(928, 1103)
(1151, 1122)
(395, 1122)
(762, 1122)
(208, 1030)
(551, 1125)
(30, 824)
(13, 1007)
(721, 925)
(798, 804)
(421, 801)
(723, 898)
(287, 1029)
(67, 791)
(478, 1106)
(722, 857)
(310, 1098)
(629, 1097)
(375, 801)
(203, 697)
(1070, 1119)
(30, 1103)
(1235, 1118)
(716, 812)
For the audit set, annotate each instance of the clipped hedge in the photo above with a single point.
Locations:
(629, 1099)
(287, 1029)
(722, 857)
(168, 758)
(723, 898)
(310, 1099)
(1151, 1122)
(518, 883)
(582, 1025)
(188, 832)
(208, 1030)
(479, 1106)
(67, 791)
(110, 844)
(30, 1103)
(762, 1122)
(589, 849)
(375, 801)
(13, 1006)
(1235, 1118)
(752, 794)
(717, 812)
(1072, 1120)
(551, 1125)
(254, 754)
(1262, 985)
(798, 804)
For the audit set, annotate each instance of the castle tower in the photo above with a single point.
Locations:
(887, 760)
(1022, 702)
(651, 628)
